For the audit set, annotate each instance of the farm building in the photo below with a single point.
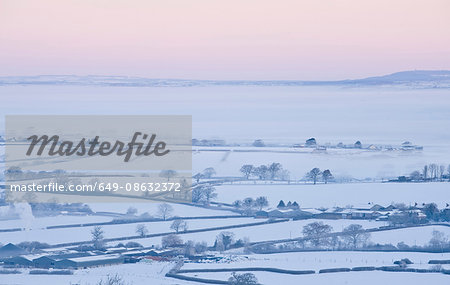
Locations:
(44, 262)
(66, 264)
(18, 261)
(11, 250)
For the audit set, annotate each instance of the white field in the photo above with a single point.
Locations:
(321, 260)
(345, 278)
(43, 222)
(66, 235)
(136, 274)
(329, 259)
(411, 236)
(332, 195)
(152, 208)
(284, 230)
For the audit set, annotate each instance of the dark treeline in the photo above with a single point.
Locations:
(430, 172)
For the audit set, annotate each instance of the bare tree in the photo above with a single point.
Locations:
(203, 194)
(425, 172)
(416, 176)
(247, 206)
(14, 172)
(171, 241)
(168, 174)
(197, 177)
(261, 172)
(431, 211)
(441, 172)
(224, 239)
(284, 175)
(355, 235)
(112, 280)
(98, 237)
(243, 279)
(132, 211)
(433, 168)
(247, 170)
(313, 174)
(261, 202)
(141, 230)
(189, 248)
(201, 247)
(326, 175)
(164, 211)
(273, 169)
(438, 240)
(178, 225)
(317, 233)
(209, 172)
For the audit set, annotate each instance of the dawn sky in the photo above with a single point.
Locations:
(232, 39)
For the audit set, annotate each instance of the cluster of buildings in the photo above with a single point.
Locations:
(14, 256)
(364, 212)
(312, 143)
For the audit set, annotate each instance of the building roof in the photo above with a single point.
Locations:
(18, 260)
(43, 259)
(11, 250)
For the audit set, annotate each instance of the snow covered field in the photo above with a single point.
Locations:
(136, 274)
(152, 208)
(323, 259)
(43, 222)
(331, 195)
(67, 235)
(284, 230)
(412, 236)
(329, 259)
(367, 278)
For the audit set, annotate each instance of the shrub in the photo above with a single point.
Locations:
(132, 244)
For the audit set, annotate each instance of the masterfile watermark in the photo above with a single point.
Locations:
(95, 147)
(98, 158)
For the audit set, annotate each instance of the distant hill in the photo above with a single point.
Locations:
(404, 77)
(415, 79)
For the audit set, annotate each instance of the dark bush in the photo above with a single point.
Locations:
(133, 244)
(403, 261)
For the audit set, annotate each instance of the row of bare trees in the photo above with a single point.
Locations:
(249, 205)
(316, 174)
(318, 235)
(271, 171)
(431, 172)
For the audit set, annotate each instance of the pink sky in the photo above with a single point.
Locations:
(229, 39)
